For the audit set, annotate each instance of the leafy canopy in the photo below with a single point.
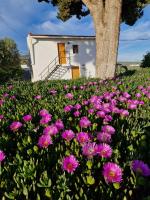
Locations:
(131, 9)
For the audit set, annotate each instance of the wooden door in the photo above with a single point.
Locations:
(62, 53)
(75, 72)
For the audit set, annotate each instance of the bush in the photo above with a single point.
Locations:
(37, 146)
(146, 61)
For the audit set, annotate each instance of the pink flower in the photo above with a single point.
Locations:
(112, 173)
(84, 122)
(47, 118)
(104, 150)
(59, 124)
(1, 117)
(132, 106)
(101, 114)
(138, 95)
(140, 167)
(15, 126)
(76, 113)
(68, 135)
(91, 111)
(68, 108)
(43, 112)
(2, 156)
(51, 130)
(27, 118)
(70, 164)
(109, 129)
(38, 97)
(89, 149)
(77, 106)
(69, 96)
(124, 113)
(53, 92)
(82, 138)
(44, 141)
(104, 137)
(126, 95)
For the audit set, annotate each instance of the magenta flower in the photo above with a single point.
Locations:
(104, 150)
(82, 138)
(51, 130)
(43, 112)
(53, 92)
(112, 173)
(38, 97)
(84, 122)
(76, 113)
(140, 167)
(47, 118)
(104, 137)
(70, 164)
(91, 111)
(59, 124)
(101, 114)
(138, 95)
(1, 117)
(15, 126)
(126, 95)
(68, 135)
(132, 106)
(69, 96)
(89, 149)
(2, 156)
(124, 113)
(44, 141)
(109, 129)
(77, 106)
(68, 108)
(27, 118)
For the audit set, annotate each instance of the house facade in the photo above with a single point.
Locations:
(61, 56)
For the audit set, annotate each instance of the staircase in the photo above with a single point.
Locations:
(55, 70)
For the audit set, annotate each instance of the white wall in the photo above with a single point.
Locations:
(43, 51)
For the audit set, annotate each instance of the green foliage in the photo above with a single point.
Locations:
(32, 173)
(9, 61)
(146, 61)
(131, 9)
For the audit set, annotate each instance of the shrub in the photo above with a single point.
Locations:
(52, 146)
(146, 61)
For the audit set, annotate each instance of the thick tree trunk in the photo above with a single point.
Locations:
(106, 15)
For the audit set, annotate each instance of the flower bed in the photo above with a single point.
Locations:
(84, 139)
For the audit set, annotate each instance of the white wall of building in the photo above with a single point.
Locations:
(44, 50)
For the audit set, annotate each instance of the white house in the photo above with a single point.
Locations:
(61, 56)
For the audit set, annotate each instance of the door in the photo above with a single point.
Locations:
(75, 72)
(61, 53)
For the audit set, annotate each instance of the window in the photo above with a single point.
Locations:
(75, 49)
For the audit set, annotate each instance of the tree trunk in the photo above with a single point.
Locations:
(106, 15)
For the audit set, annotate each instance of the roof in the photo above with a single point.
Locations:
(42, 36)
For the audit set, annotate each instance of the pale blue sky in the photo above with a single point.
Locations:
(19, 17)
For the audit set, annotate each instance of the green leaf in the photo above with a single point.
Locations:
(90, 180)
(116, 185)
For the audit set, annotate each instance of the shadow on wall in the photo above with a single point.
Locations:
(86, 57)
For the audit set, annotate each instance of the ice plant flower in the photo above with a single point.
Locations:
(112, 173)
(51, 130)
(82, 138)
(43, 112)
(15, 126)
(69, 96)
(70, 163)
(124, 113)
(89, 149)
(27, 118)
(84, 122)
(59, 124)
(44, 141)
(2, 156)
(1, 117)
(109, 129)
(140, 167)
(68, 108)
(104, 150)
(47, 118)
(76, 113)
(38, 97)
(68, 135)
(104, 137)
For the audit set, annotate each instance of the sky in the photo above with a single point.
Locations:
(20, 17)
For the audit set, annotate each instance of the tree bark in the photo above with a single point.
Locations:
(106, 15)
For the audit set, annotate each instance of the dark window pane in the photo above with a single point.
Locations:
(75, 49)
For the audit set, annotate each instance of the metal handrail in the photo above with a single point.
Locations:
(48, 70)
